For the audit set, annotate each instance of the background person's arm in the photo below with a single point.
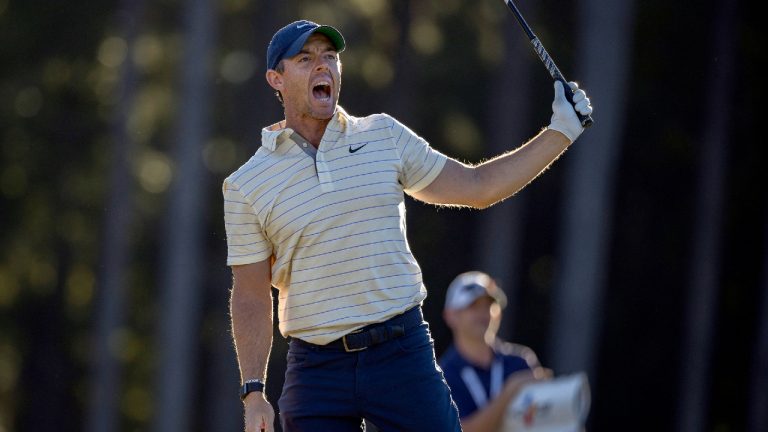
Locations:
(491, 417)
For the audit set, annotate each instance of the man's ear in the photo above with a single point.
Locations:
(275, 79)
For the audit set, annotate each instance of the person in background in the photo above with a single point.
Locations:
(484, 373)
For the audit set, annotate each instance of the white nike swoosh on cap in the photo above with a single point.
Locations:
(301, 25)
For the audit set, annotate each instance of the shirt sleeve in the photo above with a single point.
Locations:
(420, 163)
(246, 243)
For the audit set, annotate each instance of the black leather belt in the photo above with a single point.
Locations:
(372, 334)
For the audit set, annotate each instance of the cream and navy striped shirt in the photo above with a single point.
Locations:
(335, 223)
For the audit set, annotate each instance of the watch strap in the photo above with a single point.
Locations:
(250, 386)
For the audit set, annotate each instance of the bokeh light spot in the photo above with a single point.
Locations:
(80, 284)
(148, 52)
(137, 404)
(378, 71)
(112, 51)
(426, 37)
(369, 8)
(461, 133)
(9, 367)
(238, 67)
(219, 155)
(153, 105)
(125, 344)
(154, 172)
(323, 13)
(42, 277)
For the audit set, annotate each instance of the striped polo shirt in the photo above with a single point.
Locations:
(334, 224)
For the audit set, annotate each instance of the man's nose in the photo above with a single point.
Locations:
(321, 64)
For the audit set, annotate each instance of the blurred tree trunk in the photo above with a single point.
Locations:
(500, 227)
(223, 412)
(48, 371)
(258, 107)
(183, 246)
(603, 53)
(102, 412)
(399, 101)
(704, 272)
(758, 398)
(253, 108)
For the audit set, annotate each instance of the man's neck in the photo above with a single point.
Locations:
(475, 351)
(311, 129)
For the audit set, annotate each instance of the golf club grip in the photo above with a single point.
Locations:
(538, 47)
(586, 120)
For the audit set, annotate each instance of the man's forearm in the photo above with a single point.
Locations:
(490, 417)
(497, 179)
(251, 314)
(503, 176)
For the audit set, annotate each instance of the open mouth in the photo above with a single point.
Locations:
(322, 91)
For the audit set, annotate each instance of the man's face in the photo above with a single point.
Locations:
(311, 80)
(478, 319)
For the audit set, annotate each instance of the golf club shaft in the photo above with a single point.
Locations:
(586, 120)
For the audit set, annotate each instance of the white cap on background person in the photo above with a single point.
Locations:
(470, 286)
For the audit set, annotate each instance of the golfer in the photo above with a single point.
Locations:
(318, 213)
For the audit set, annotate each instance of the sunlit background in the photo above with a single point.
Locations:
(640, 257)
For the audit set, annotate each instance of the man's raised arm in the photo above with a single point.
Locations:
(501, 177)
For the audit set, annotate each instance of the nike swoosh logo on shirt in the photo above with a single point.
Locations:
(352, 150)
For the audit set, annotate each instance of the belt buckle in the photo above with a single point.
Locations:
(344, 341)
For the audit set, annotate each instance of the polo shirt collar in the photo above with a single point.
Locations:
(274, 135)
(270, 135)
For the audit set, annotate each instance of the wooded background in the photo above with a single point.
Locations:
(640, 257)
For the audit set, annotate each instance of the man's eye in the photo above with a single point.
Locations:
(304, 58)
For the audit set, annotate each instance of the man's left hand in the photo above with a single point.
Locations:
(564, 118)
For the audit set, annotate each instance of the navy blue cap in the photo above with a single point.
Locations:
(289, 40)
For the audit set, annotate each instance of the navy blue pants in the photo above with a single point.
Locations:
(396, 385)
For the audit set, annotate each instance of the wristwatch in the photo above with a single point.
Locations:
(250, 386)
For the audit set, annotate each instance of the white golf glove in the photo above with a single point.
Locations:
(564, 118)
